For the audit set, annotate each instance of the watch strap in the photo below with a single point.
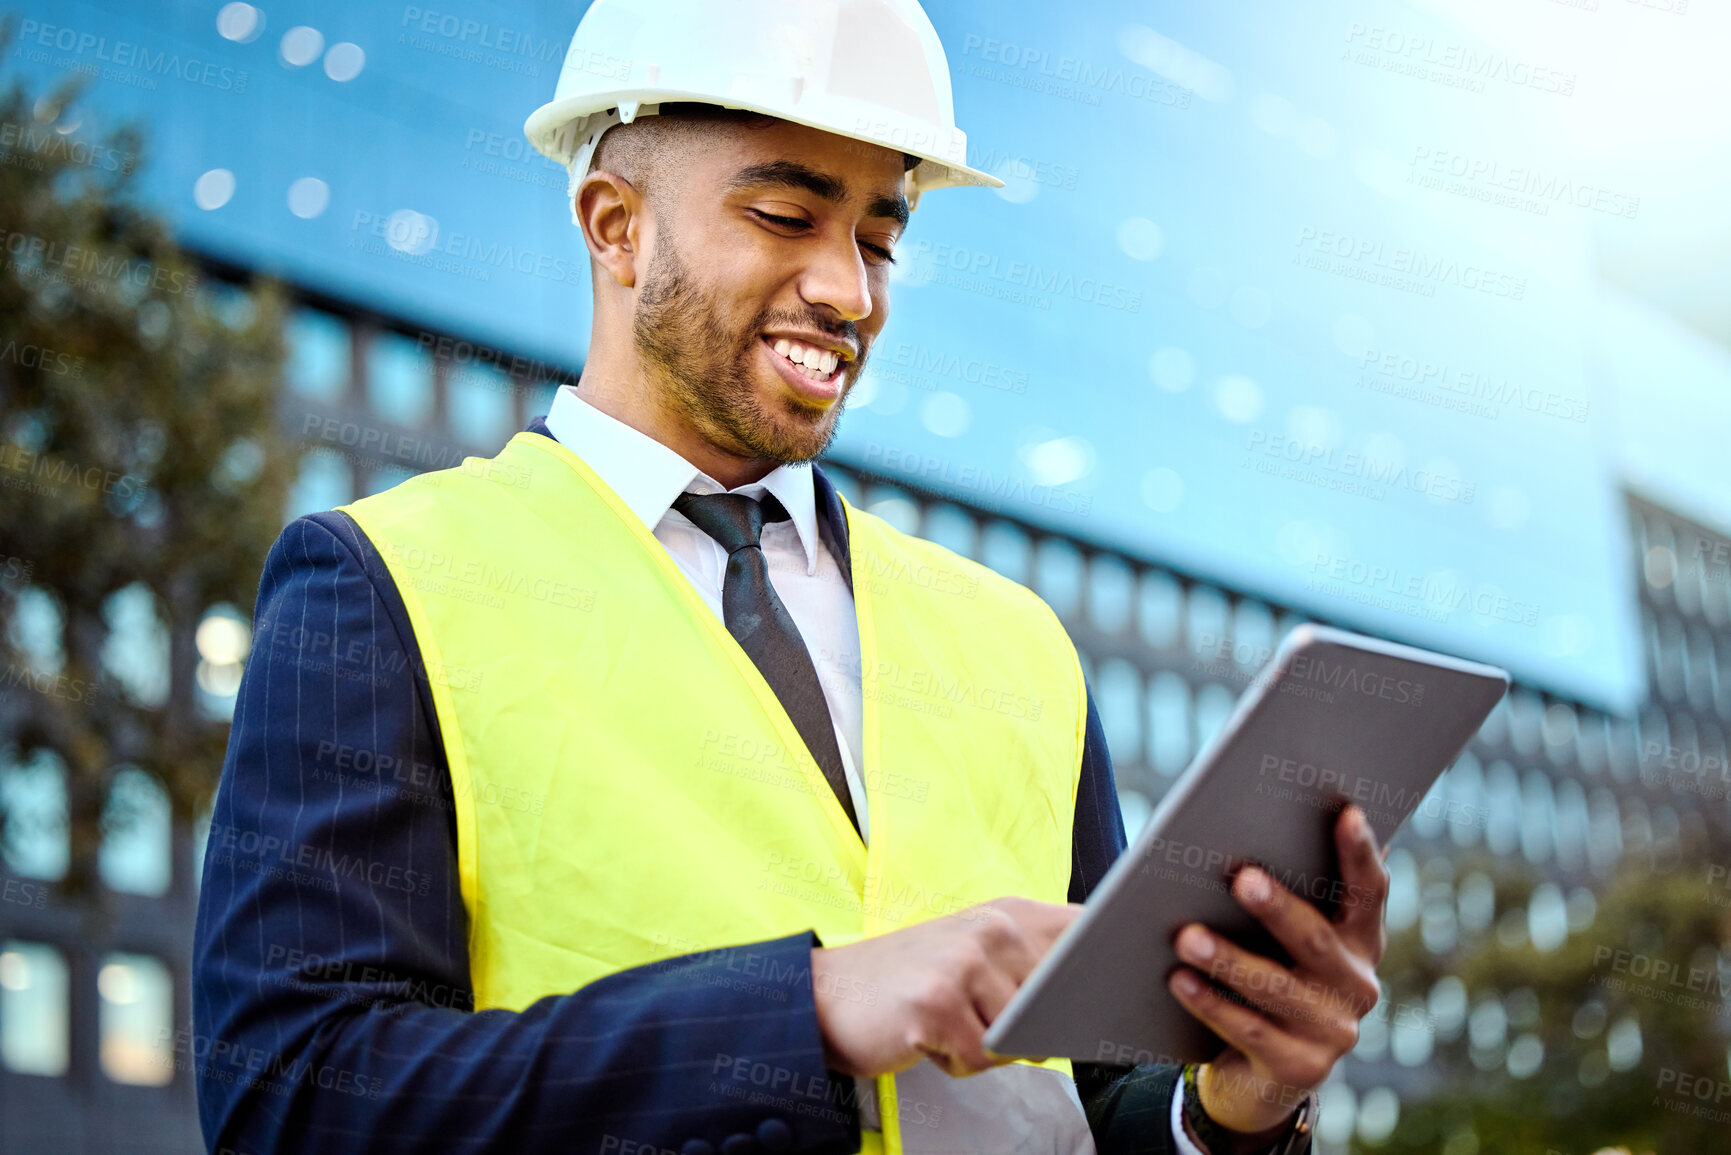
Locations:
(1217, 1140)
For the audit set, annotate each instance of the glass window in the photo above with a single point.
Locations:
(1466, 812)
(34, 795)
(1637, 826)
(136, 1019)
(223, 639)
(1058, 575)
(1666, 834)
(1572, 824)
(1207, 618)
(952, 527)
(1162, 605)
(1668, 655)
(1252, 635)
(33, 1029)
(137, 852)
(35, 628)
(324, 483)
(1213, 704)
(318, 355)
(1005, 548)
(1135, 809)
(895, 507)
(399, 379)
(1168, 724)
(1560, 728)
(1401, 910)
(1427, 818)
(1604, 831)
(1538, 817)
(1526, 721)
(1109, 588)
(1698, 654)
(136, 648)
(1590, 743)
(1621, 746)
(1119, 700)
(1503, 800)
(1476, 901)
(481, 405)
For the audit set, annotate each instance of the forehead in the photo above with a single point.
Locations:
(847, 173)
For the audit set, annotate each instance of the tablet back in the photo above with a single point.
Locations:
(1334, 718)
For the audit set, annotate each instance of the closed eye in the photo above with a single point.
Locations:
(802, 225)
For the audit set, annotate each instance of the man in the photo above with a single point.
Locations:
(591, 797)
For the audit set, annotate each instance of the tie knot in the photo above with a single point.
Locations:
(734, 520)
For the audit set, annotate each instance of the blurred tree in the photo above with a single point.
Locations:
(1612, 1036)
(142, 474)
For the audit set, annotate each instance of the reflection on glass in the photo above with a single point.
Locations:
(399, 379)
(1118, 697)
(136, 648)
(33, 1032)
(318, 355)
(136, 1019)
(480, 403)
(33, 794)
(136, 856)
(1168, 724)
(324, 483)
(1058, 575)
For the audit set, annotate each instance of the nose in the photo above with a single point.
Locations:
(837, 277)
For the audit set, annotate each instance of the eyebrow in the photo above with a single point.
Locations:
(793, 174)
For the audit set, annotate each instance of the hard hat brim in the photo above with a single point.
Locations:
(545, 124)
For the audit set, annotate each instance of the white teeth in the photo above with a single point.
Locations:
(815, 363)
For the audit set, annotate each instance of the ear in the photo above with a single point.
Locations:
(611, 213)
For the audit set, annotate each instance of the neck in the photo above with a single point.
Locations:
(621, 389)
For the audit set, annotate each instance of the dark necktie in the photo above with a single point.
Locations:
(759, 621)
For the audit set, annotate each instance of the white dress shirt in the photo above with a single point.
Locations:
(647, 476)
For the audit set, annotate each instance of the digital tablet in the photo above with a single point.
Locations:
(1333, 719)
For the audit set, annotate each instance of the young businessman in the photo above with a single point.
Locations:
(595, 796)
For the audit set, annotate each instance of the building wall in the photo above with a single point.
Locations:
(373, 399)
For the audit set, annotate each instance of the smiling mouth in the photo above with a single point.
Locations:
(820, 366)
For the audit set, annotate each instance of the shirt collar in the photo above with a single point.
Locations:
(648, 475)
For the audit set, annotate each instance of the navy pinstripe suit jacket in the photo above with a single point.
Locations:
(331, 1002)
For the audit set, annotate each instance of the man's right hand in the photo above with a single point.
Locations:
(939, 985)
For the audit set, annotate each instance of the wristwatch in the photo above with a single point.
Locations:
(1218, 1140)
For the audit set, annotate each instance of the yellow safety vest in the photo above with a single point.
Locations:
(627, 786)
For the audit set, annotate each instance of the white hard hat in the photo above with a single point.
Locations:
(872, 70)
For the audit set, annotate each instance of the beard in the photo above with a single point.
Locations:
(706, 371)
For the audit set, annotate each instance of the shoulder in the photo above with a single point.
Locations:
(327, 543)
(323, 575)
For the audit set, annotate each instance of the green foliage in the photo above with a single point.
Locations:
(139, 443)
(1653, 970)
